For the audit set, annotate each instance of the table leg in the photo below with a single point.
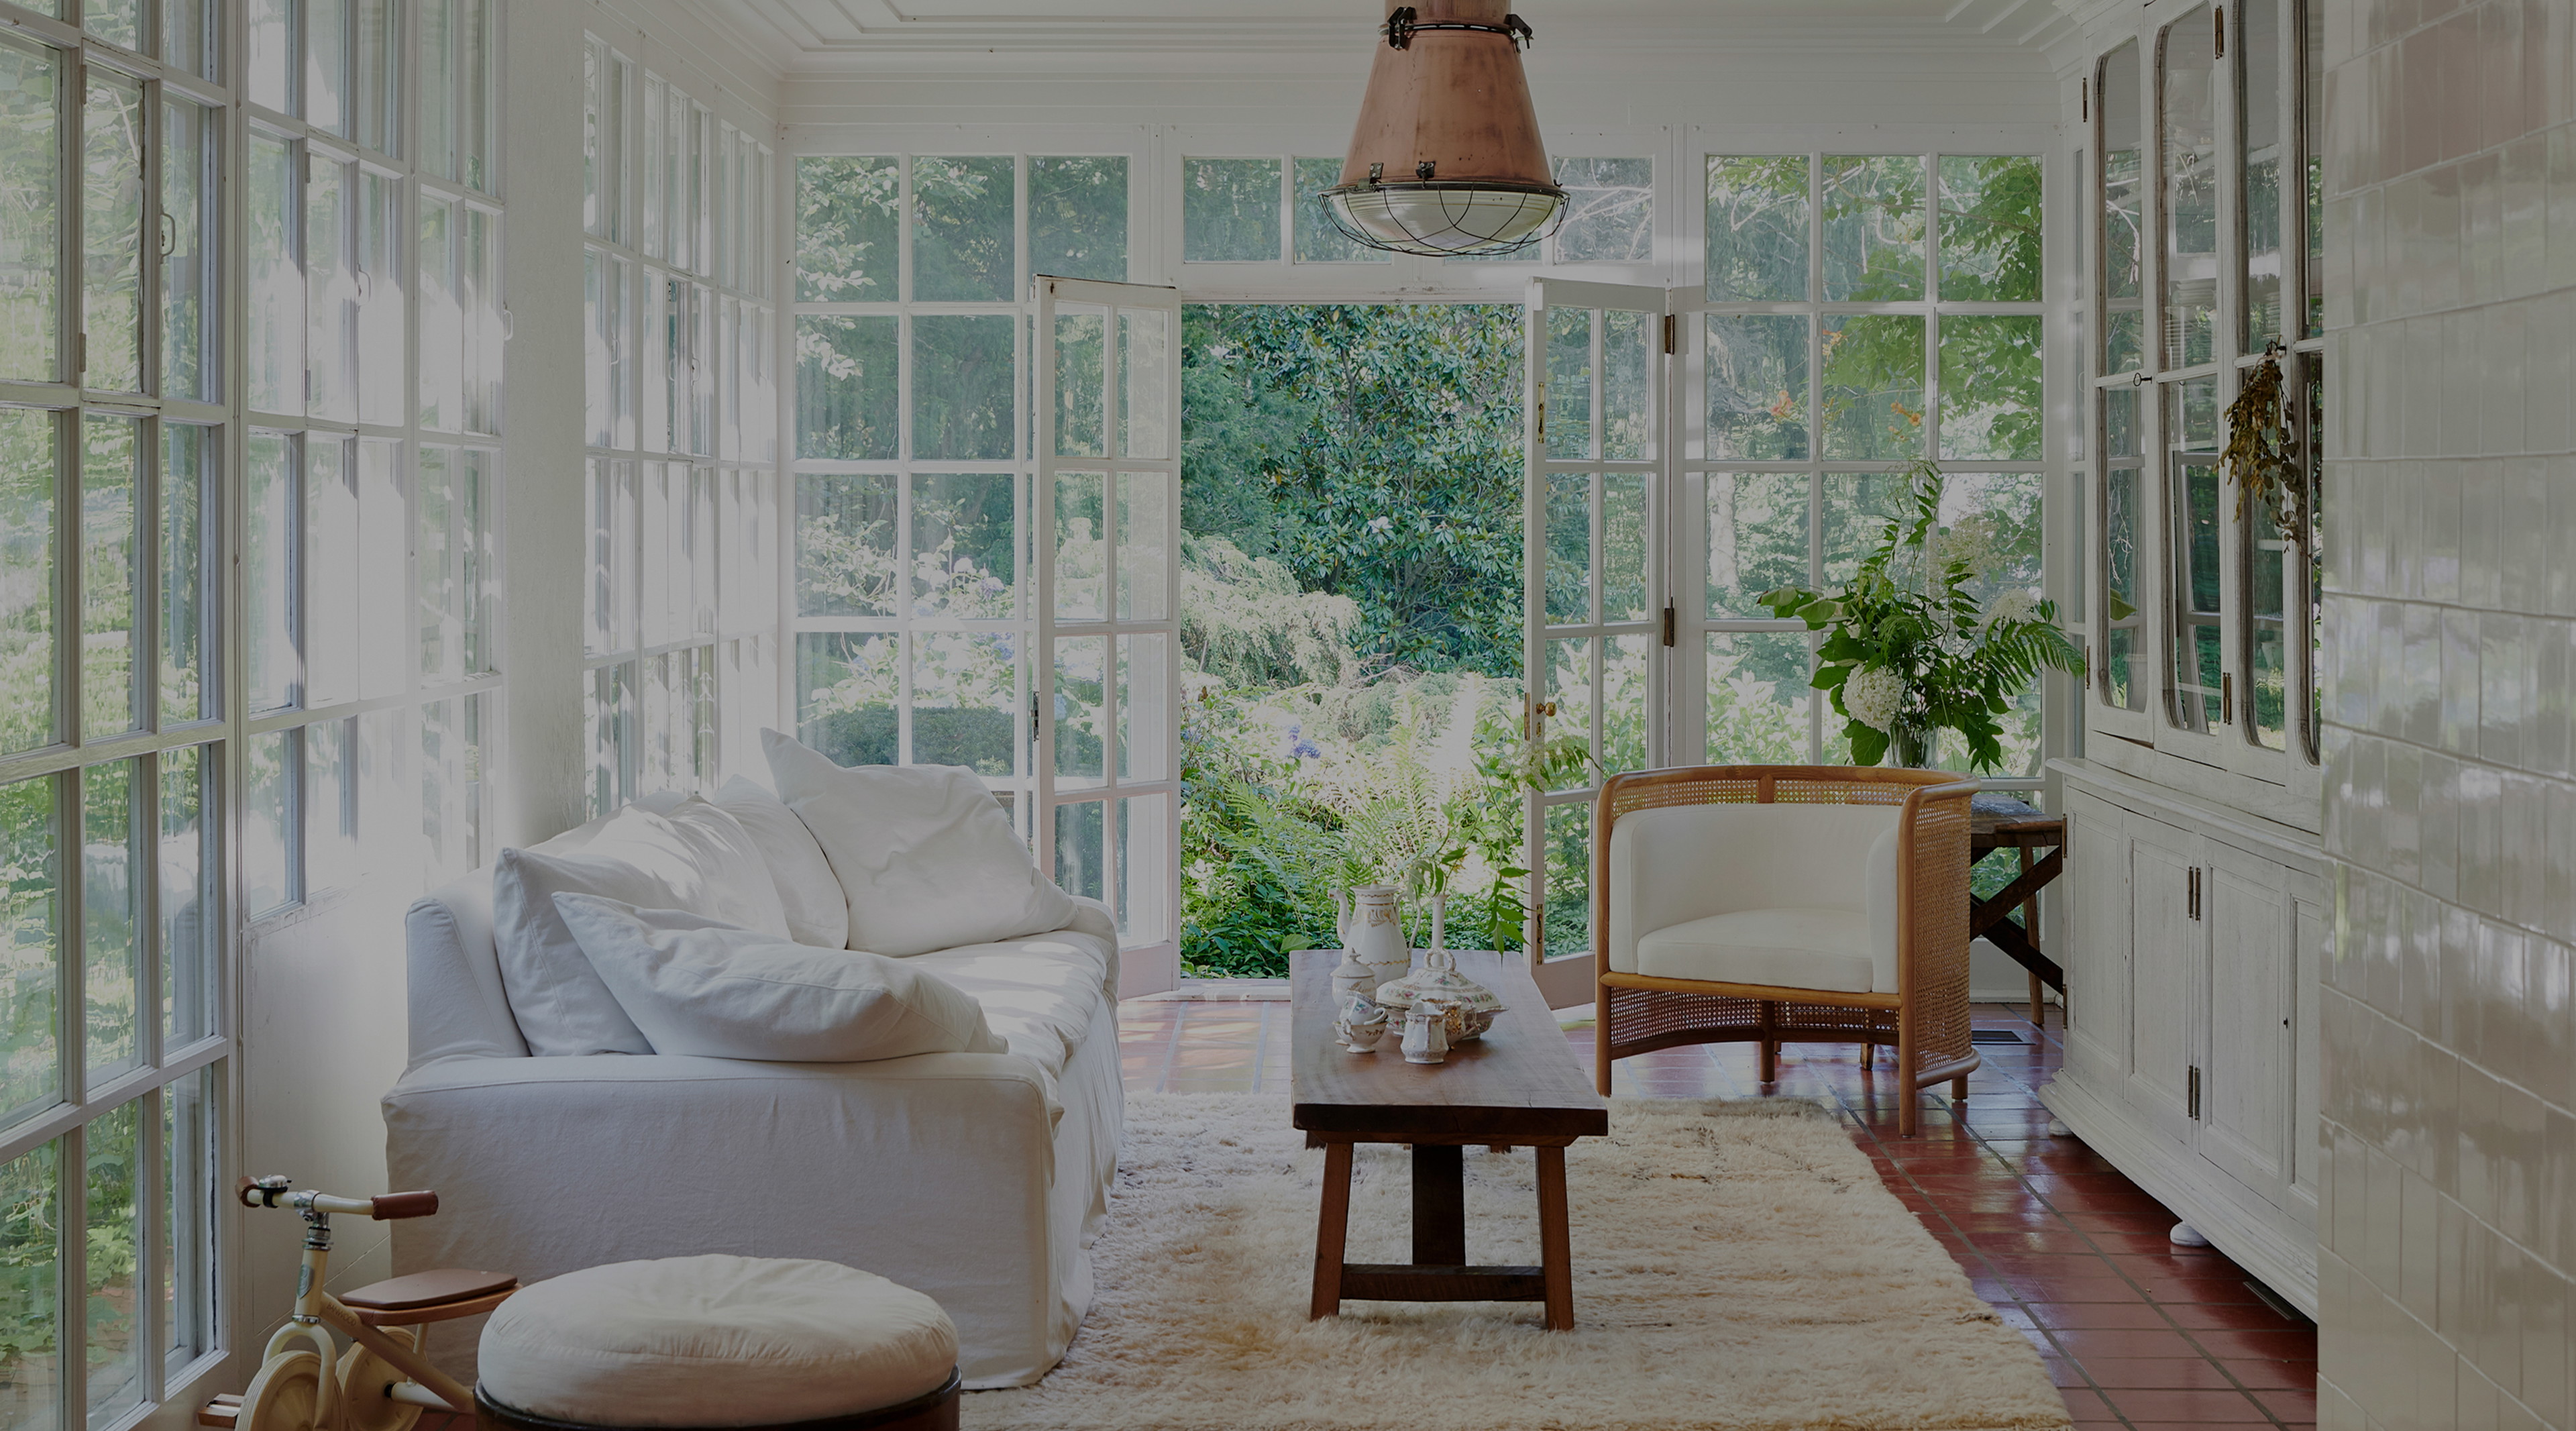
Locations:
(1332, 1229)
(1439, 1205)
(1555, 1240)
(2030, 927)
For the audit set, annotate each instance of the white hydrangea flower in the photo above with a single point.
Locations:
(1872, 696)
(2010, 606)
(1975, 540)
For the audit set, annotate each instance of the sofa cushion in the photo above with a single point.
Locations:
(1040, 994)
(697, 986)
(924, 855)
(1793, 948)
(714, 1341)
(696, 858)
(808, 894)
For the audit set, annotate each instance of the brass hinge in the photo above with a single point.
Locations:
(80, 352)
(2227, 699)
(1671, 616)
(2195, 1090)
(2084, 99)
(1672, 333)
(2218, 16)
(2195, 892)
(1542, 412)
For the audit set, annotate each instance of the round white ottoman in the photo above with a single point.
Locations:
(718, 1342)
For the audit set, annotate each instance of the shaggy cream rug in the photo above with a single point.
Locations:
(1736, 1265)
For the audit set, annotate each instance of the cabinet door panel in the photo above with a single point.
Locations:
(2245, 1076)
(2167, 959)
(2305, 1157)
(2097, 953)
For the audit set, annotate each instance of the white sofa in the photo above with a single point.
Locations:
(978, 1179)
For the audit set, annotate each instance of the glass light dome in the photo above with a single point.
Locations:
(1466, 218)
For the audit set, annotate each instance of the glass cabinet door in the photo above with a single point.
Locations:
(2198, 689)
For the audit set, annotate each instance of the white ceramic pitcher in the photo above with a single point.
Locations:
(1371, 926)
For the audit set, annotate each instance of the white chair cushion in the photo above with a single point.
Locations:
(714, 1341)
(923, 853)
(697, 986)
(1787, 948)
(1682, 863)
(816, 910)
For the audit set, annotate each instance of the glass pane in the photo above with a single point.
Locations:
(965, 543)
(1568, 415)
(30, 165)
(29, 1389)
(112, 864)
(479, 297)
(846, 395)
(2123, 212)
(326, 63)
(276, 283)
(1757, 228)
(1145, 681)
(1757, 386)
(1229, 210)
(1609, 211)
(1568, 698)
(376, 86)
(271, 56)
(1990, 388)
(382, 283)
(111, 696)
(1145, 382)
(1569, 547)
(1081, 547)
(2258, 204)
(1624, 540)
(2193, 520)
(658, 361)
(1081, 382)
(1079, 859)
(1758, 698)
(188, 341)
(451, 793)
(1858, 506)
(1629, 341)
(1873, 211)
(114, 1242)
(187, 576)
(1317, 240)
(1078, 217)
(1757, 538)
(112, 220)
(2270, 569)
(1873, 386)
(847, 690)
(191, 875)
(2188, 170)
(27, 578)
(845, 545)
(962, 230)
(845, 229)
(1990, 228)
(1145, 867)
(450, 546)
(963, 383)
(654, 204)
(438, 87)
(474, 96)
(2312, 106)
(331, 290)
(1992, 520)
(268, 572)
(965, 700)
(330, 562)
(1081, 710)
(1567, 918)
(187, 35)
(30, 901)
(1144, 545)
(189, 1167)
(2124, 624)
(384, 535)
(268, 797)
(442, 318)
(1625, 708)
(605, 713)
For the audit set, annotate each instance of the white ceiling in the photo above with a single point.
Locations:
(812, 36)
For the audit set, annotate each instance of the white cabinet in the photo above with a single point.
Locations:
(2196, 933)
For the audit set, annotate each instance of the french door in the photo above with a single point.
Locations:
(1106, 665)
(1596, 603)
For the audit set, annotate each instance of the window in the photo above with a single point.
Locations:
(681, 602)
(913, 521)
(1863, 312)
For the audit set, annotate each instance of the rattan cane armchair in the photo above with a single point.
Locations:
(1925, 1016)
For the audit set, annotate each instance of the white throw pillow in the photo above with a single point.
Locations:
(695, 985)
(924, 855)
(817, 912)
(696, 858)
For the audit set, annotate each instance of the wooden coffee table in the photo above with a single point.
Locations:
(1518, 1086)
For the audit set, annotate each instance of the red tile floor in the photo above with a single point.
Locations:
(2136, 1332)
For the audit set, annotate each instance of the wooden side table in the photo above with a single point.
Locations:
(1999, 822)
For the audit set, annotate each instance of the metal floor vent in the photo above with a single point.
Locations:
(1995, 1036)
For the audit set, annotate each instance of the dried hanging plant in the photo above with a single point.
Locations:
(2261, 456)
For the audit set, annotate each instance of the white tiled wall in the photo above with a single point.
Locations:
(2449, 1222)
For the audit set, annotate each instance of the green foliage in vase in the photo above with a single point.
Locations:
(1911, 652)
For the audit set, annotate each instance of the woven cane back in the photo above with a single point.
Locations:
(1927, 1020)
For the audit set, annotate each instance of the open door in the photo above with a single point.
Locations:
(1594, 610)
(1106, 666)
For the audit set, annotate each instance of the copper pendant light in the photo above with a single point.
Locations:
(1446, 159)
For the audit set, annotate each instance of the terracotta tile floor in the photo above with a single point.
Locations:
(2136, 1332)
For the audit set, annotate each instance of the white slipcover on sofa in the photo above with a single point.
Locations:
(976, 1178)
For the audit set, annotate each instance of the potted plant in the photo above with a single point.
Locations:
(1912, 652)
